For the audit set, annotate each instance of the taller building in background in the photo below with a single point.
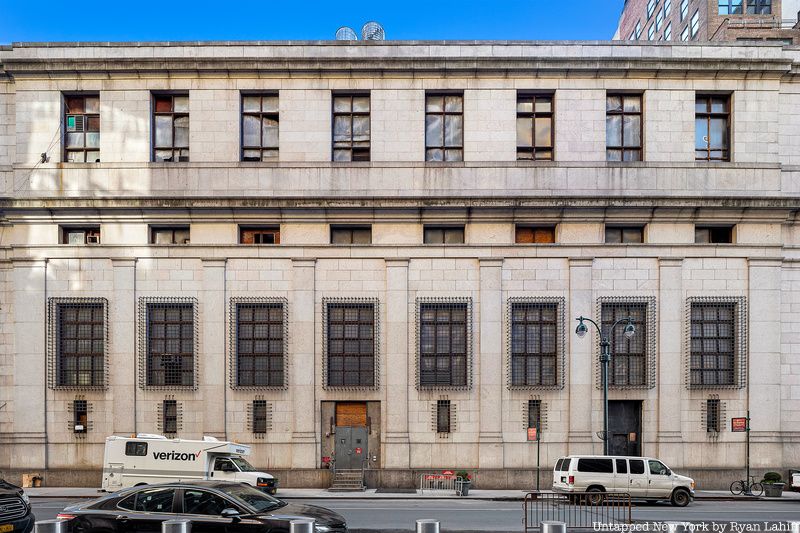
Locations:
(710, 20)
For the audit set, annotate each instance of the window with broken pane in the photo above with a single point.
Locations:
(82, 128)
(170, 344)
(444, 127)
(624, 127)
(351, 127)
(171, 127)
(78, 236)
(535, 127)
(712, 128)
(260, 127)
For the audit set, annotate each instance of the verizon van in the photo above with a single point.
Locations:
(148, 459)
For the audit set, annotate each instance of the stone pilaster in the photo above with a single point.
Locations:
(490, 377)
(581, 357)
(122, 352)
(303, 368)
(670, 357)
(213, 367)
(396, 453)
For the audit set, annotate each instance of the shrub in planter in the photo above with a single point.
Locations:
(463, 482)
(773, 485)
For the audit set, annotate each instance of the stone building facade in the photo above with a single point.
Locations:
(710, 20)
(429, 304)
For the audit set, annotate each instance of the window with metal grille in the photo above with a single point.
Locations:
(624, 234)
(260, 235)
(260, 127)
(170, 344)
(82, 128)
(624, 127)
(259, 416)
(535, 127)
(759, 7)
(443, 416)
(628, 355)
(730, 7)
(351, 344)
(443, 235)
(351, 127)
(169, 234)
(535, 234)
(444, 127)
(171, 127)
(534, 344)
(80, 412)
(80, 344)
(713, 418)
(351, 234)
(535, 414)
(443, 344)
(169, 414)
(713, 343)
(82, 235)
(260, 345)
(712, 128)
(713, 234)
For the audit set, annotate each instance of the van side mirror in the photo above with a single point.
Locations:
(230, 512)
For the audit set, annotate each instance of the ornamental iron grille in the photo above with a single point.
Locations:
(170, 416)
(534, 414)
(535, 336)
(443, 417)
(633, 360)
(259, 417)
(168, 343)
(77, 343)
(259, 343)
(713, 415)
(78, 417)
(444, 343)
(716, 340)
(351, 343)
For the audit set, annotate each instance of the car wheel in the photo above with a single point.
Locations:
(680, 498)
(596, 496)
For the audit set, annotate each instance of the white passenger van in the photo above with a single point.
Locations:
(643, 478)
(148, 459)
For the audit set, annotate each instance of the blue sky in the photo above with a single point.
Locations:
(119, 20)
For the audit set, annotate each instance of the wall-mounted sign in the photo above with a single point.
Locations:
(739, 425)
(533, 434)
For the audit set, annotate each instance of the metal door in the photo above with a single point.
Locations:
(625, 427)
(351, 447)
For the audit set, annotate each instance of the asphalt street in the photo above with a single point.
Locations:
(499, 517)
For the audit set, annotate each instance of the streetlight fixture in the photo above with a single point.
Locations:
(605, 358)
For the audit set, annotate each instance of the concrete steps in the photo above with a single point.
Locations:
(348, 481)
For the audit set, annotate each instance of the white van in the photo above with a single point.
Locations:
(148, 459)
(643, 478)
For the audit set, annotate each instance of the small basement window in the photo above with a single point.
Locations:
(260, 235)
(80, 409)
(624, 234)
(535, 235)
(169, 235)
(351, 234)
(443, 416)
(78, 236)
(443, 235)
(713, 234)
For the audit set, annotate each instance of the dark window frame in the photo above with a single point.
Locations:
(169, 417)
(621, 230)
(260, 233)
(87, 120)
(263, 148)
(716, 234)
(530, 368)
(352, 229)
(536, 232)
(428, 229)
(439, 365)
(456, 149)
(535, 415)
(728, 7)
(713, 415)
(444, 417)
(80, 416)
(136, 449)
(627, 361)
(173, 115)
(351, 337)
(69, 362)
(173, 229)
(622, 149)
(715, 367)
(268, 318)
(356, 153)
(89, 233)
(533, 150)
(757, 7)
(259, 414)
(708, 115)
(167, 368)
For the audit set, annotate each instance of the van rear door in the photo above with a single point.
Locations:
(561, 473)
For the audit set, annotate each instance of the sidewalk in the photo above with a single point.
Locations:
(319, 494)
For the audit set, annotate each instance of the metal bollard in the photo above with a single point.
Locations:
(176, 526)
(50, 526)
(301, 526)
(550, 526)
(427, 526)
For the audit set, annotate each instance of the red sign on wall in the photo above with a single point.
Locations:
(739, 425)
(358, 451)
(448, 473)
(533, 434)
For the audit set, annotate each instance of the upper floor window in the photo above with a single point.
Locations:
(759, 7)
(651, 32)
(685, 34)
(351, 128)
(659, 20)
(684, 9)
(624, 234)
(535, 127)
(444, 127)
(82, 235)
(730, 7)
(651, 6)
(712, 128)
(624, 127)
(82, 128)
(351, 234)
(259, 127)
(638, 29)
(260, 235)
(535, 234)
(668, 32)
(667, 8)
(695, 24)
(169, 235)
(713, 234)
(443, 235)
(171, 127)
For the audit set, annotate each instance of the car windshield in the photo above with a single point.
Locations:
(243, 465)
(253, 499)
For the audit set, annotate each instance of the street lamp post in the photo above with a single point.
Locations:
(605, 358)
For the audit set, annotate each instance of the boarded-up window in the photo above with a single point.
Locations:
(352, 414)
(535, 235)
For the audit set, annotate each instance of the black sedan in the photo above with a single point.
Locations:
(212, 507)
(15, 509)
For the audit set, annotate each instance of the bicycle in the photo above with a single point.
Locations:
(744, 487)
